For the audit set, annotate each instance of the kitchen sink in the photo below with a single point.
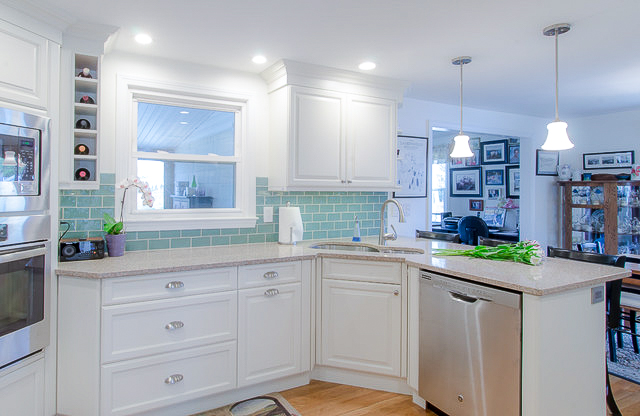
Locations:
(366, 248)
(346, 246)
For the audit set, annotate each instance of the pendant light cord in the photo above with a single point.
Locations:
(461, 65)
(556, 36)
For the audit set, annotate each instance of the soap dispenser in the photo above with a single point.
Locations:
(356, 229)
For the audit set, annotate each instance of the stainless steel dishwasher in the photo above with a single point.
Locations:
(470, 347)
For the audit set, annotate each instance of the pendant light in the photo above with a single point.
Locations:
(557, 138)
(461, 141)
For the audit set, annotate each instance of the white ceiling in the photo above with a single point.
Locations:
(412, 40)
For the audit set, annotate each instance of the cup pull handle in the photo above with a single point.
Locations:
(271, 292)
(270, 275)
(176, 284)
(174, 325)
(173, 379)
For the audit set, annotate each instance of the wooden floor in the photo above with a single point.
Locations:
(328, 399)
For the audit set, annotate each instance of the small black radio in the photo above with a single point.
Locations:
(81, 249)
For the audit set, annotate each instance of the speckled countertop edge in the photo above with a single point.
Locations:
(553, 276)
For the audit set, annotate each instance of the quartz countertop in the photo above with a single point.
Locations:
(552, 276)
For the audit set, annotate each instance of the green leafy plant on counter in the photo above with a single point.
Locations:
(527, 252)
(111, 226)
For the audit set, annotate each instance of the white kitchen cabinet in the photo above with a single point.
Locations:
(145, 343)
(22, 387)
(361, 325)
(23, 66)
(269, 333)
(331, 130)
(370, 339)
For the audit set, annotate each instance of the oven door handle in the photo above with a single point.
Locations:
(24, 252)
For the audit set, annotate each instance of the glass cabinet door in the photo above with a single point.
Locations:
(628, 226)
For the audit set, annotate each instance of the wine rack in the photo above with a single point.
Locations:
(85, 118)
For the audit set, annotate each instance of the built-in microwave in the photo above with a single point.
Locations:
(24, 162)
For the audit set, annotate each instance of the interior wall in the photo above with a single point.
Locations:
(539, 195)
(603, 133)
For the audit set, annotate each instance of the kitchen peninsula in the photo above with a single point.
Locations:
(100, 302)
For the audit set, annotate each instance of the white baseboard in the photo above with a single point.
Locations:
(361, 379)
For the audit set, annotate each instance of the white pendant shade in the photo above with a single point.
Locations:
(461, 146)
(557, 137)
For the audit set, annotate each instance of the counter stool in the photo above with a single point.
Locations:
(613, 290)
(492, 242)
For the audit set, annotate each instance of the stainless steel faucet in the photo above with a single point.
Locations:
(382, 240)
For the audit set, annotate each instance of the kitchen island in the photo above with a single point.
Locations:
(563, 340)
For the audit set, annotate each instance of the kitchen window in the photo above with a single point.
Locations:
(190, 148)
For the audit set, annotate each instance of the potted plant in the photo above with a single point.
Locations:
(115, 234)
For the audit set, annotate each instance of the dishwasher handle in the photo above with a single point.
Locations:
(462, 298)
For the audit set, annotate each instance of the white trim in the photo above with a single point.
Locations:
(129, 91)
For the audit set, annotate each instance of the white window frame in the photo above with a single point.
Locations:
(130, 91)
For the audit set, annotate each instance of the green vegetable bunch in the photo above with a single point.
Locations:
(111, 226)
(528, 252)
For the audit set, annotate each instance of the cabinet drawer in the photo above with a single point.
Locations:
(362, 270)
(268, 274)
(167, 285)
(144, 384)
(138, 329)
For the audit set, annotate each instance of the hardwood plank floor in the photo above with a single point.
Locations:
(320, 398)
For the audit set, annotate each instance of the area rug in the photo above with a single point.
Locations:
(268, 405)
(628, 364)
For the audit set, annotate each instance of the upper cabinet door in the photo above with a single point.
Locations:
(23, 65)
(317, 142)
(371, 158)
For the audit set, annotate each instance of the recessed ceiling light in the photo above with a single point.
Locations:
(184, 112)
(367, 66)
(184, 122)
(143, 39)
(259, 59)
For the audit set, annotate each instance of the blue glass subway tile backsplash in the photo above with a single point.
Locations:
(324, 215)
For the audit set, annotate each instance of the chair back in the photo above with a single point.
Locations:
(492, 242)
(470, 228)
(451, 237)
(613, 288)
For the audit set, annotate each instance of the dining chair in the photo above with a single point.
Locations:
(492, 242)
(630, 309)
(613, 290)
(470, 228)
(450, 237)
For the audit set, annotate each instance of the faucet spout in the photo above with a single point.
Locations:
(382, 239)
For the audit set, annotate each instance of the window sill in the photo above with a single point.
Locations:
(190, 224)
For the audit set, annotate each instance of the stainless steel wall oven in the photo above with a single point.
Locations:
(25, 233)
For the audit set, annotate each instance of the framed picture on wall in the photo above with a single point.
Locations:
(514, 155)
(513, 181)
(608, 160)
(465, 182)
(494, 152)
(476, 205)
(494, 193)
(547, 162)
(494, 177)
(411, 167)
(494, 217)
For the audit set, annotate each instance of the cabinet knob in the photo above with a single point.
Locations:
(176, 284)
(396, 292)
(174, 325)
(343, 181)
(271, 292)
(270, 275)
(349, 181)
(173, 379)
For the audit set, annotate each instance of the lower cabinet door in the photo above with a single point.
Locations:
(361, 326)
(269, 333)
(22, 389)
(133, 386)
